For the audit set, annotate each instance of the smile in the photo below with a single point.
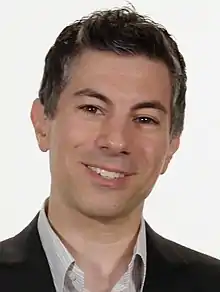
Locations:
(107, 174)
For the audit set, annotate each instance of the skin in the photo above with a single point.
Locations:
(99, 122)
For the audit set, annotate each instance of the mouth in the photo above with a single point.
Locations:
(108, 176)
(106, 173)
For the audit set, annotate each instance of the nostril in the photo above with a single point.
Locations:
(125, 152)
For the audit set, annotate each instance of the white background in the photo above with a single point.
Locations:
(184, 205)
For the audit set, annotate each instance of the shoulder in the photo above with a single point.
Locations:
(191, 256)
(11, 263)
(203, 271)
(17, 248)
(181, 264)
(175, 252)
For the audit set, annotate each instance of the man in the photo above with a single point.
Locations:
(110, 112)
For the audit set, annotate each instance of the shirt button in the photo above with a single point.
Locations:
(71, 275)
(73, 278)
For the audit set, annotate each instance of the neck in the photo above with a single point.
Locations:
(107, 243)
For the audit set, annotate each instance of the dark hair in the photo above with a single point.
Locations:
(122, 31)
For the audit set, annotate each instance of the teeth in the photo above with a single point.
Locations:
(105, 173)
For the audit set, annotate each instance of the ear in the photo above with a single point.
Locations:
(41, 125)
(174, 146)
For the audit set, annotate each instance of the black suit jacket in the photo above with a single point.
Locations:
(170, 267)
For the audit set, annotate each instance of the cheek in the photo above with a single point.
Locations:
(74, 133)
(151, 150)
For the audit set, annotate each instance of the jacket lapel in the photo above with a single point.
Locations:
(25, 254)
(40, 269)
(166, 267)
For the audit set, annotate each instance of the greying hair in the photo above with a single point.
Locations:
(124, 32)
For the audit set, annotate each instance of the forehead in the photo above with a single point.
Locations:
(126, 77)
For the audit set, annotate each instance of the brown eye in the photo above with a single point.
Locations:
(91, 109)
(146, 120)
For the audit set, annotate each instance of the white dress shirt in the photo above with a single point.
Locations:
(68, 277)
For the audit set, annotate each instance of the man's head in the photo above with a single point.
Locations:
(110, 111)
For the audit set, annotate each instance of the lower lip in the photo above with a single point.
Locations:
(110, 183)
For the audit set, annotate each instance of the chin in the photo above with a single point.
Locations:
(103, 214)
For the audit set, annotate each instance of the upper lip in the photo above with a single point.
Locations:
(109, 168)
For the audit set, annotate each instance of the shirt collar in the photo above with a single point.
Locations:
(60, 259)
(141, 250)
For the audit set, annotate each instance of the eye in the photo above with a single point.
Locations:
(146, 120)
(90, 109)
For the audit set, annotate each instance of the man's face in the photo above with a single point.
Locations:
(110, 138)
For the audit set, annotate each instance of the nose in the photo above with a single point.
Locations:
(113, 137)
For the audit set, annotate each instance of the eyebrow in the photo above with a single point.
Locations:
(154, 104)
(150, 104)
(92, 93)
